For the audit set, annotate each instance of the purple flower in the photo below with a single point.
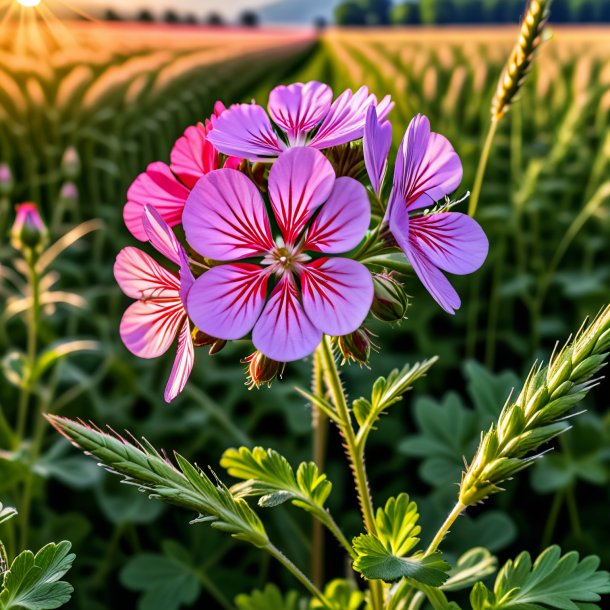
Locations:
(303, 112)
(427, 169)
(225, 219)
(376, 143)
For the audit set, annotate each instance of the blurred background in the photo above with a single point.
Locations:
(92, 91)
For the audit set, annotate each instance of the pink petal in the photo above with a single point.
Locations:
(183, 364)
(225, 217)
(451, 241)
(193, 155)
(232, 163)
(245, 131)
(376, 145)
(300, 181)
(161, 189)
(160, 235)
(141, 277)
(427, 167)
(343, 219)
(299, 107)
(346, 118)
(337, 294)
(148, 328)
(284, 332)
(226, 301)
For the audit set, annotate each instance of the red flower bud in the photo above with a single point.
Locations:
(262, 370)
(356, 347)
(29, 230)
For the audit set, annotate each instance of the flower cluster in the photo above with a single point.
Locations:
(280, 244)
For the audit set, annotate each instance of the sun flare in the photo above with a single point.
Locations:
(29, 2)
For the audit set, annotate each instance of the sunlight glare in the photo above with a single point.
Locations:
(29, 2)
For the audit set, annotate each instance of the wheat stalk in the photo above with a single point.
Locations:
(521, 57)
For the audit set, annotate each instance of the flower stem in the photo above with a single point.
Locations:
(478, 181)
(294, 570)
(355, 454)
(442, 532)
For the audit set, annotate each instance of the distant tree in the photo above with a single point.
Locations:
(604, 12)
(171, 16)
(377, 11)
(469, 11)
(320, 23)
(350, 13)
(145, 16)
(437, 12)
(215, 19)
(561, 12)
(586, 12)
(112, 15)
(405, 13)
(190, 19)
(248, 19)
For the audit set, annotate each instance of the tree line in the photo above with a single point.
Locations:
(433, 12)
(247, 18)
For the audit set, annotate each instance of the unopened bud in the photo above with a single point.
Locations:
(355, 347)
(70, 163)
(201, 339)
(29, 230)
(69, 192)
(6, 180)
(391, 301)
(262, 370)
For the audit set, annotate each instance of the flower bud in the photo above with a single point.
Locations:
(70, 163)
(391, 302)
(262, 370)
(69, 192)
(29, 230)
(201, 339)
(355, 347)
(6, 180)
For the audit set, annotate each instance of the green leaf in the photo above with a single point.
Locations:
(382, 556)
(552, 582)
(269, 475)
(474, 565)
(6, 513)
(167, 583)
(33, 581)
(341, 594)
(270, 598)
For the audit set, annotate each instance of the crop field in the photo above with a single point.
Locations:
(118, 96)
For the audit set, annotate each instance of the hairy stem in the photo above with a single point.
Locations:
(456, 511)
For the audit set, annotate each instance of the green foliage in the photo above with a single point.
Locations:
(554, 581)
(6, 513)
(270, 598)
(474, 565)
(33, 581)
(167, 581)
(382, 556)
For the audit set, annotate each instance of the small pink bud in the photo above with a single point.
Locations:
(6, 180)
(262, 370)
(70, 163)
(69, 191)
(28, 230)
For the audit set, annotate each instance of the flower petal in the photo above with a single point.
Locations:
(158, 187)
(226, 301)
(183, 364)
(225, 217)
(299, 107)
(427, 167)
(300, 181)
(148, 328)
(451, 241)
(346, 118)
(244, 130)
(160, 235)
(337, 294)
(141, 277)
(376, 146)
(284, 332)
(193, 155)
(343, 219)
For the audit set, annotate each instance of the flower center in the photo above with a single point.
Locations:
(285, 258)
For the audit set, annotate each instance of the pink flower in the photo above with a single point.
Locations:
(167, 187)
(304, 114)
(151, 324)
(427, 169)
(225, 219)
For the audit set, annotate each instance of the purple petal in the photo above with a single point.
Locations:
(300, 181)
(245, 131)
(346, 118)
(427, 167)
(159, 188)
(225, 217)
(226, 301)
(337, 294)
(183, 364)
(451, 241)
(160, 235)
(376, 145)
(284, 332)
(343, 219)
(299, 107)
(148, 328)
